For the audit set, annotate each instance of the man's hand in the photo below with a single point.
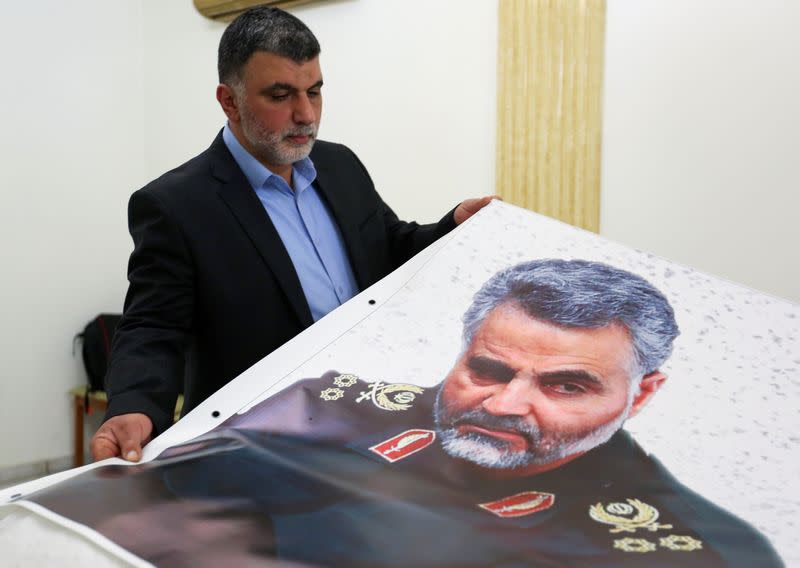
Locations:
(122, 436)
(469, 207)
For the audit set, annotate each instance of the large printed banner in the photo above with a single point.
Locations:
(525, 394)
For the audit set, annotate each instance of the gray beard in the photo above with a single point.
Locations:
(272, 147)
(490, 452)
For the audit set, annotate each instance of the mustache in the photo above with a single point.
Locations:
(309, 130)
(477, 417)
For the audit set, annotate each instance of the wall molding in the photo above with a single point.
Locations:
(226, 10)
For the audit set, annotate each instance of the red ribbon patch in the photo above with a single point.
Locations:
(405, 444)
(521, 504)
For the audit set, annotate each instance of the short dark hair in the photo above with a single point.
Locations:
(263, 29)
(584, 294)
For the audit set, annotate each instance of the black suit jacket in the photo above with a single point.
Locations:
(212, 288)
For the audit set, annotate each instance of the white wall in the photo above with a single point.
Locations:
(700, 150)
(182, 116)
(71, 148)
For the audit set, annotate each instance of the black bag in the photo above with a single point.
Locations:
(96, 349)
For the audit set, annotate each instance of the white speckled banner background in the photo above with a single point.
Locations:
(727, 422)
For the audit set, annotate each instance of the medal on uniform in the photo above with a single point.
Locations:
(520, 504)
(403, 445)
(674, 542)
(629, 544)
(331, 394)
(633, 515)
(627, 517)
(345, 381)
(680, 542)
(391, 397)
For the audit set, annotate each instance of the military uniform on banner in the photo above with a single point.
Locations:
(337, 471)
(363, 476)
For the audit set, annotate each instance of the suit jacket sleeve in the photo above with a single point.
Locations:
(409, 238)
(148, 353)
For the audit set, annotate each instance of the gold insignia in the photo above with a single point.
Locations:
(345, 381)
(634, 545)
(680, 542)
(331, 394)
(627, 517)
(391, 397)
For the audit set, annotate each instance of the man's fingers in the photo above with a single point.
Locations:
(104, 446)
(482, 202)
(469, 207)
(130, 447)
(123, 436)
(132, 433)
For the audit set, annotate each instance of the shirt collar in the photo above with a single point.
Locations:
(303, 171)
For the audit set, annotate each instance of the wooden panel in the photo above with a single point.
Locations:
(549, 106)
(227, 10)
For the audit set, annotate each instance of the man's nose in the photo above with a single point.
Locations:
(514, 398)
(304, 111)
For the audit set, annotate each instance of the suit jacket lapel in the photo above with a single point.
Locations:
(344, 219)
(240, 198)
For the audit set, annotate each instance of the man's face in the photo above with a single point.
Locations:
(528, 395)
(278, 106)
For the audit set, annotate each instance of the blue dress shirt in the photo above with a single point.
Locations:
(306, 227)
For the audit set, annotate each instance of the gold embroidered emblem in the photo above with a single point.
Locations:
(634, 545)
(680, 542)
(331, 394)
(627, 517)
(391, 397)
(345, 381)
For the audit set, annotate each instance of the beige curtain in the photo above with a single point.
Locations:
(549, 101)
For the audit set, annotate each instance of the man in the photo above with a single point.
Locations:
(516, 458)
(244, 246)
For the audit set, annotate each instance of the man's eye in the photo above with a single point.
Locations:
(567, 388)
(483, 379)
(279, 96)
(313, 94)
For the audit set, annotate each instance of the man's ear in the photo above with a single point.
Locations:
(227, 100)
(647, 388)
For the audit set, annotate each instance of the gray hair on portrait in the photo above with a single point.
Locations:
(263, 29)
(583, 294)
